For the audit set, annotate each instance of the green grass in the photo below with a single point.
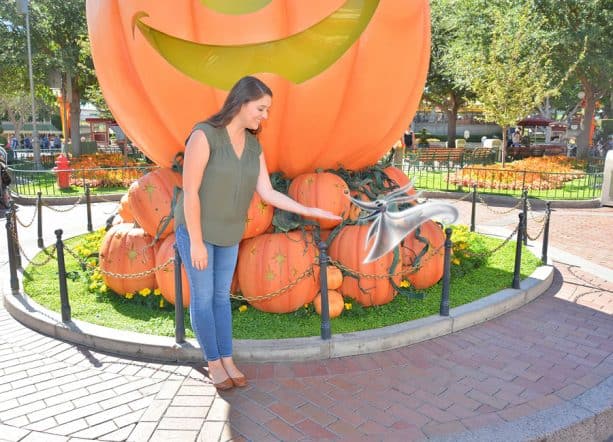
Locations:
(577, 189)
(41, 283)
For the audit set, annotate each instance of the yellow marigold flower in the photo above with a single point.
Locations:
(242, 308)
(93, 286)
(145, 292)
(157, 292)
(348, 306)
(455, 261)
(129, 295)
(161, 303)
(102, 288)
(404, 283)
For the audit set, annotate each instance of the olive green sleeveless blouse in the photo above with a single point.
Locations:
(227, 187)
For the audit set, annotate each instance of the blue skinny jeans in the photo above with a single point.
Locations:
(209, 306)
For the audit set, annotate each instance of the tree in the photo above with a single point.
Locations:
(503, 57)
(15, 97)
(68, 46)
(583, 28)
(442, 89)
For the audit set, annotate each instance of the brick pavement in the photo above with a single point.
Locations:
(529, 360)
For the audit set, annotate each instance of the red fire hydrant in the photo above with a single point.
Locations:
(62, 171)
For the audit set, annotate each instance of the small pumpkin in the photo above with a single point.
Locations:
(272, 261)
(399, 178)
(127, 250)
(348, 248)
(124, 209)
(334, 277)
(324, 190)
(165, 277)
(424, 248)
(336, 303)
(150, 198)
(259, 217)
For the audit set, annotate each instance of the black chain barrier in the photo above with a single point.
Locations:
(15, 252)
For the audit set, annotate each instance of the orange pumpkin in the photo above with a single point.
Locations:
(259, 217)
(124, 209)
(150, 197)
(336, 304)
(431, 264)
(334, 277)
(399, 178)
(271, 261)
(166, 74)
(348, 249)
(165, 277)
(324, 190)
(126, 250)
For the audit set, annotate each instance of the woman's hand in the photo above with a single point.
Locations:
(200, 256)
(315, 212)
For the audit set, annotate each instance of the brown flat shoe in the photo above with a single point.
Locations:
(225, 385)
(240, 381)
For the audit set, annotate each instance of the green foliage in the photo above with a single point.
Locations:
(607, 127)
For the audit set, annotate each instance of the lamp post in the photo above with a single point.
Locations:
(23, 6)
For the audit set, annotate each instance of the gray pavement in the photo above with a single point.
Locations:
(543, 371)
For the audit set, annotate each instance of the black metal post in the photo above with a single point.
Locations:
(525, 210)
(15, 233)
(326, 331)
(11, 249)
(519, 242)
(546, 233)
(39, 212)
(473, 213)
(444, 310)
(61, 267)
(88, 201)
(179, 312)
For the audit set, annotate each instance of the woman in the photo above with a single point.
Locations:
(223, 166)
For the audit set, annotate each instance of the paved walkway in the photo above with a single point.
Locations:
(527, 373)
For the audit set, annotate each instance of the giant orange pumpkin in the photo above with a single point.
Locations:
(272, 261)
(347, 75)
(126, 250)
(348, 248)
(165, 276)
(150, 199)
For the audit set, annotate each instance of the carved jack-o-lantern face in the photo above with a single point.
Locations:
(346, 75)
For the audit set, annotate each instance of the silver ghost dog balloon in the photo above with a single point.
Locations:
(389, 227)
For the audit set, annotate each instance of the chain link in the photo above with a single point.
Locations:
(407, 271)
(308, 272)
(462, 199)
(534, 218)
(25, 225)
(64, 210)
(499, 212)
(499, 246)
(542, 229)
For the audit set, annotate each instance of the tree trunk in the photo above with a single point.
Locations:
(452, 118)
(503, 148)
(583, 139)
(75, 117)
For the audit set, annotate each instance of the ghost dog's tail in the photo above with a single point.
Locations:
(389, 228)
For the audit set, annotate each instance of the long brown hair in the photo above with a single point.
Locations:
(245, 90)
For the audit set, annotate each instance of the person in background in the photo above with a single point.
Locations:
(222, 167)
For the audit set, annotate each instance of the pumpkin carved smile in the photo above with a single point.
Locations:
(297, 58)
